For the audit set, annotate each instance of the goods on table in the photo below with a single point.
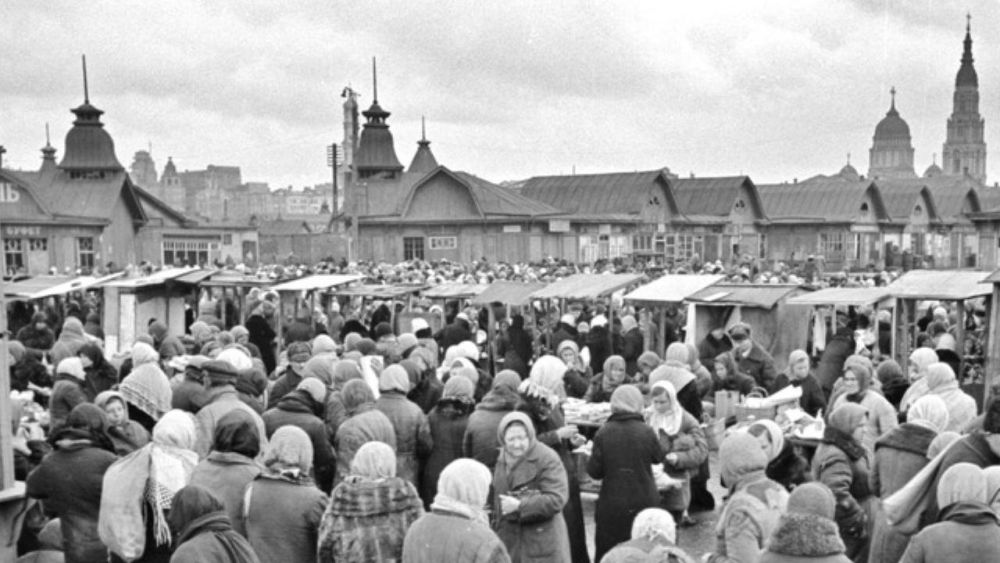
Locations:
(578, 411)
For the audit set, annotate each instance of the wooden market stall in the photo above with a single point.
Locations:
(508, 294)
(13, 502)
(234, 287)
(957, 286)
(131, 303)
(402, 292)
(826, 303)
(589, 287)
(294, 293)
(778, 326)
(664, 292)
(992, 366)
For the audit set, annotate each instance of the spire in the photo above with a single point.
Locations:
(376, 153)
(48, 151)
(423, 160)
(892, 103)
(86, 90)
(88, 146)
(423, 130)
(967, 72)
(848, 158)
(374, 82)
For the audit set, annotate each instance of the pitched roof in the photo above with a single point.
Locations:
(713, 196)
(950, 194)
(900, 197)
(827, 200)
(496, 200)
(149, 199)
(596, 194)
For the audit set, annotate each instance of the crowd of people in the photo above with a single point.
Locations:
(350, 439)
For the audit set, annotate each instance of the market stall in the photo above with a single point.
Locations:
(504, 295)
(405, 293)
(233, 288)
(825, 304)
(588, 288)
(12, 492)
(778, 326)
(664, 292)
(293, 294)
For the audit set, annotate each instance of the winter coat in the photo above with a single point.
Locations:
(189, 396)
(632, 343)
(447, 422)
(211, 539)
(99, 378)
(759, 365)
(689, 444)
(577, 382)
(69, 482)
(298, 409)
(227, 475)
(284, 385)
(789, 469)
(516, 350)
(335, 413)
(805, 538)
(223, 400)
(71, 339)
(641, 550)
(842, 464)
(899, 455)
(368, 424)
(748, 519)
(128, 437)
(67, 393)
(881, 416)
(831, 363)
(536, 531)
(282, 519)
(480, 440)
(562, 332)
(812, 400)
(711, 347)
(35, 339)
(967, 532)
(413, 433)
(447, 537)
(453, 334)
(427, 392)
(600, 348)
(978, 448)
(262, 336)
(624, 450)
(28, 370)
(367, 520)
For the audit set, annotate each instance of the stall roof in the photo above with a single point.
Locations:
(940, 284)
(586, 286)
(993, 278)
(761, 296)
(195, 277)
(81, 283)
(672, 288)
(310, 283)
(27, 288)
(232, 279)
(379, 291)
(508, 293)
(454, 291)
(156, 278)
(844, 296)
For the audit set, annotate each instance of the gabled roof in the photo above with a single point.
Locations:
(372, 197)
(901, 197)
(93, 198)
(598, 194)
(713, 197)
(25, 181)
(826, 200)
(149, 199)
(950, 194)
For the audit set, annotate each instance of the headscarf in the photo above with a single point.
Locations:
(171, 463)
(289, 454)
(774, 434)
(546, 380)
(148, 389)
(669, 423)
(238, 332)
(652, 523)
(176, 429)
(104, 397)
(627, 399)
(465, 369)
(85, 422)
(992, 475)
(740, 455)
(458, 386)
(321, 368)
(847, 417)
(628, 323)
(355, 394)
(941, 442)
(677, 352)
(374, 460)
(516, 417)
(237, 432)
(889, 371)
(314, 388)
(923, 358)
(929, 411)
(648, 358)
(614, 361)
(427, 355)
(813, 498)
(861, 367)
(16, 350)
(143, 353)
(507, 379)
(196, 511)
(93, 353)
(237, 358)
(71, 366)
(344, 371)
(323, 344)
(463, 488)
(394, 378)
(797, 357)
(962, 482)
(678, 376)
(940, 377)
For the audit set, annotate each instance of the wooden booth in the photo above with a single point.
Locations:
(825, 304)
(507, 295)
(662, 293)
(589, 288)
(312, 289)
(233, 288)
(402, 293)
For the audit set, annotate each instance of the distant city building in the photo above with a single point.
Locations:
(964, 149)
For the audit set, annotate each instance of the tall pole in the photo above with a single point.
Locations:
(335, 190)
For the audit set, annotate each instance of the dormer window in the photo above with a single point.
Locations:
(740, 206)
(918, 211)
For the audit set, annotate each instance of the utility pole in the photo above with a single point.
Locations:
(334, 158)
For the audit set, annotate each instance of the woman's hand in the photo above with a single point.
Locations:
(509, 504)
(671, 459)
(577, 440)
(567, 432)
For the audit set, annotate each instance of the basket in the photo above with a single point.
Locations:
(745, 412)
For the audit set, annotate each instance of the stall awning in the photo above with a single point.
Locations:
(993, 278)
(77, 284)
(454, 291)
(156, 278)
(311, 283)
(842, 296)
(761, 296)
(230, 279)
(195, 277)
(671, 288)
(27, 288)
(379, 291)
(586, 286)
(940, 285)
(508, 292)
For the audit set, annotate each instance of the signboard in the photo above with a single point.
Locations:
(443, 243)
(512, 228)
(558, 226)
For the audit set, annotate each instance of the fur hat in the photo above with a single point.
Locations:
(315, 388)
(812, 498)
(299, 352)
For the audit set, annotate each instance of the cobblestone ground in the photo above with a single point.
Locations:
(696, 540)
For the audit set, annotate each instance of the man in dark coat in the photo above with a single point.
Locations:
(303, 407)
(457, 331)
(715, 343)
(298, 354)
(632, 344)
(599, 343)
(37, 337)
(831, 363)
(751, 358)
(262, 335)
(564, 330)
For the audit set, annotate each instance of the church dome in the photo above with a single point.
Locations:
(89, 147)
(849, 173)
(892, 126)
(933, 171)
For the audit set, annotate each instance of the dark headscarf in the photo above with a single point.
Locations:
(237, 432)
(93, 353)
(412, 370)
(86, 422)
(356, 393)
(196, 511)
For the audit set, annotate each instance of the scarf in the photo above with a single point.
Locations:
(669, 422)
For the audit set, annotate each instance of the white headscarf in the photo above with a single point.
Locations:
(929, 411)
(669, 423)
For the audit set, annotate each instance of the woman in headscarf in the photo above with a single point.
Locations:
(681, 436)
(967, 529)
(754, 506)
(654, 538)
(675, 370)
(842, 463)
(854, 386)
(139, 488)
(807, 532)
(335, 414)
(365, 424)
(369, 511)
(604, 384)
(69, 481)
(530, 491)
(899, 455)
(515, 347)
(647, 362)
(456, 530)
(127, 435)
(798, 374)
(624, 450)
(67, 392)
(541, 399)
(728, 377)
(577, 376)
(70, 340)
(448, 421)
(101, 375)
(893, 382)
(413, 433)
(203, 530)
(784, 466)
(230, 466)
(480, 440)
(941, 381)
(146, 389)
(282, 508)
(920, 360)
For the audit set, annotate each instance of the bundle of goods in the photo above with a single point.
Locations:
(581, 412)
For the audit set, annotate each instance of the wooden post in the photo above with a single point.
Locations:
(960, 336)
(243, 304)
(993, 344)
(490, 335)
(6, 436)
(661, 349)
(611, 325)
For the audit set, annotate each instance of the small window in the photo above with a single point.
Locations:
(85, 254)
(413, 248)
(38, 245)
(13, 255)
(918, 211)
(740, 206)
(864, 208)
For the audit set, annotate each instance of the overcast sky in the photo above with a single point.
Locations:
(774, 89)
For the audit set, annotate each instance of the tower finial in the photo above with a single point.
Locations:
(968, 22)
(848, 158)
(86, 89)
(892, 92)
(47, 142)
(423, 129)
(934, 158)
(374, 82)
